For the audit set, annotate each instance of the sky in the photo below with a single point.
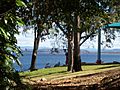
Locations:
(27, 40)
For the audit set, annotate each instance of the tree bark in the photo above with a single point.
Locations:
(37, 35)
(70, 50)
(35, 49)
(77, 58)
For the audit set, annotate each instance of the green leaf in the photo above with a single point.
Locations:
(20, 22)
(3, 32)
(20, 3)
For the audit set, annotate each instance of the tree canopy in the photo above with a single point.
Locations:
(9, 51)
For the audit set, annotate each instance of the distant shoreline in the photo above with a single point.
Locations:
(103, 53)
(83, 51)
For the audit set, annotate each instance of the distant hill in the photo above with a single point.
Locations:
(48, 50)
(83, 51)
(61, 51)
(111, 51)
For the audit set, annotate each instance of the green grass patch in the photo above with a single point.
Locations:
(43, 72)
(61, 72)
(98, 67)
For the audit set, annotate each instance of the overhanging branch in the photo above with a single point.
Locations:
(86, 38)
(57, 23)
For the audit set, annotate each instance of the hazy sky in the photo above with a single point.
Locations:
(28, 40)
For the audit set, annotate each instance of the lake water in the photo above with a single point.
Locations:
(44, 58)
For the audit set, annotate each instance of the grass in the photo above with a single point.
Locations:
(43, 72)
(61, 72)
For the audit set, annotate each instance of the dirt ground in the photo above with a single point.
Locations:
(108, 80)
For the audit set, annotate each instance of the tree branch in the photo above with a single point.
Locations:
(86, 38)
(57, 23)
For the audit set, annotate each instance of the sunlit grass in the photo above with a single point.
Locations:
(45, 71)
(95, 67)
(61, 72)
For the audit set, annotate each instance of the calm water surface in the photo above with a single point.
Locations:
(44, 58)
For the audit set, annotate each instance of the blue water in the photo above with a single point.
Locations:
(52, 59)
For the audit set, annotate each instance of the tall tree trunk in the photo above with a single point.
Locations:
(77, 58)
(35, 49)
(37, 34)
(70, 50)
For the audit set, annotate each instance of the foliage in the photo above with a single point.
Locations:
(9, 51)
